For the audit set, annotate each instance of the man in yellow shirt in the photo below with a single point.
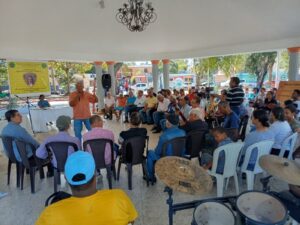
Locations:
(87, 205)
(150, 106)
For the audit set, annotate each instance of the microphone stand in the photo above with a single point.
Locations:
(30, 118)
(28, 107)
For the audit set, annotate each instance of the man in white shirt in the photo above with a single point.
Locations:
(109, 103)
(162, 107)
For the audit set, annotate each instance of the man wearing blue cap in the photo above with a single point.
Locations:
(88, 206)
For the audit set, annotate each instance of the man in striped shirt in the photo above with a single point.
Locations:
(235, 95)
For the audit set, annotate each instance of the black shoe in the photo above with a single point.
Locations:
(150, 123)
(153, 128)
(152, 181)
(144, 122)
(126, 121)
(156, 131)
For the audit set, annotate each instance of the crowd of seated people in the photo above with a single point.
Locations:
(176, 115)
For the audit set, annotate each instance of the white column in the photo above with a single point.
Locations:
(100, 89)
(166, 73)
(294, 64)
(111, 71)
(155, 74)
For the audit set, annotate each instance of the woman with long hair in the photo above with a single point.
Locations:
(262, 132)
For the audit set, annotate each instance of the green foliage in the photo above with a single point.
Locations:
(284, 60)
(232, 64)
(260, 64)
(3, 73)
(205, 67)
(64, 72)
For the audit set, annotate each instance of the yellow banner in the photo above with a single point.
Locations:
(28, 78)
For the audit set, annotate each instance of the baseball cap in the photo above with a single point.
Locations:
(63, 122)
(82, 163)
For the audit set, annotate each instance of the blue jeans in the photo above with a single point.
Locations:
(157, 117)
(163, 124)
(78, 126)
(151, 159)
(146, 116)
(236, 109)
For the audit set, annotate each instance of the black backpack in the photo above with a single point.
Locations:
(56, 197)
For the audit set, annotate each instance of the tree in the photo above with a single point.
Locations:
(173, 67)
(205, 67)
(3, 73)
(260, 64)
(232, 64)
(284, 60)
(64, 72)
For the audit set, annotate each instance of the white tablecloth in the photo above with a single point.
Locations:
(42, 116)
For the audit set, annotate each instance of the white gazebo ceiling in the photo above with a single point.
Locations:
(81, 30)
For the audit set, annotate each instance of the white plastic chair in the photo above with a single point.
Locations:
(263, 148)
(232, 152)
(289, 145)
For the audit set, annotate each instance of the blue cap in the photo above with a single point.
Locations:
(80, 162)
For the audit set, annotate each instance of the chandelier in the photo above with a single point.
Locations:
(135, 16)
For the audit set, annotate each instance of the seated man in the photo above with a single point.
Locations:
(121, 103)
(42, 103)
(149, 108)
(195, 103)
(171, 132)
(194, 122)
(109, 103)
(15, 130)
(134, 130)
(130, 106)
(184, 109)
(87, 205)
(231, 119)
(159, 114)
(206, 159)
(99, 132)
(170, 110)
(63, 124)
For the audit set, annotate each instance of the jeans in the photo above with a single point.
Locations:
(78, 127)
(130, 109)
(147, 116)
(157, 117)
(151, 159)
(236, 109)
(163, 124)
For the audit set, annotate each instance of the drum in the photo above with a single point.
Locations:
(213, 213)
(258, 208)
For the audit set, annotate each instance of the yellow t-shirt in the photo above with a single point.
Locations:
(151, 102)
(107, 207)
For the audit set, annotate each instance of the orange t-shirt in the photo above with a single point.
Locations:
(122, 102)
(82, 109)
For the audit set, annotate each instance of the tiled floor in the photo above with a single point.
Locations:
(23, 208)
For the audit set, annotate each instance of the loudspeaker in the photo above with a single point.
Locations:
(106, 81)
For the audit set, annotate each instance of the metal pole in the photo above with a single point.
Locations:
(30, 119)
(170, 203)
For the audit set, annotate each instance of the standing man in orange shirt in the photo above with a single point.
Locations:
(80, 101)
